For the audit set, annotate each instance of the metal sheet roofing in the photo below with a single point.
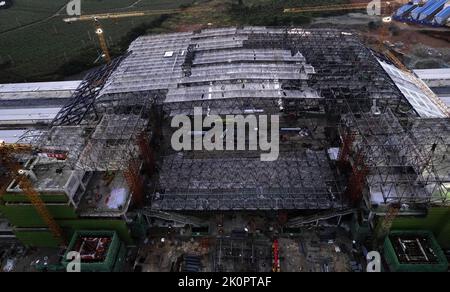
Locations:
(39, 86)
(29, 114)
(11, 136)
(418, 99)
(433, 74)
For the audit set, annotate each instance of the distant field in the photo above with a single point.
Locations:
(36, 45)
(38, 50)
(27, 11)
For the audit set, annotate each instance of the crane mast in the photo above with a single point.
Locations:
(15, 171)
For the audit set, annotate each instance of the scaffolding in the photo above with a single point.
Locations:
(346, 72)
(102, 133)
(324, 84)
(407, 159)
(293, 181)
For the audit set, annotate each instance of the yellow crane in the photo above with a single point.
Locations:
(102, 40)
(335, 7)
(323, 8)
(117, 15)
(14, 171)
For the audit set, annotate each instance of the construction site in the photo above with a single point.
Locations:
(363, 160)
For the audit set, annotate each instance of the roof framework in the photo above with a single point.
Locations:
(294, 181)
(302, 74)
(83, 100)
(408, 158)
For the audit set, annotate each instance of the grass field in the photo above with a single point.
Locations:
(36, 45)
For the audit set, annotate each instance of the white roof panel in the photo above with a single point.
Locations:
(407, 83)
(39, 86)
(433, 74)
(11, 136)
(28, 114)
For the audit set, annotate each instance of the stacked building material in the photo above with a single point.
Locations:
(100, 251)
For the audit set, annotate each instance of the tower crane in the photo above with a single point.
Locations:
(102, 40)
(99, 31)
(335, 7)
(14, 171)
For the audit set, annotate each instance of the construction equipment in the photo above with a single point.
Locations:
(15, 171)
(102, 16)
(335, 7)
(323, 8)
(101, 38)
(119, 15)
(388, 9)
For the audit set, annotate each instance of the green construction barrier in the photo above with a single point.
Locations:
(437, 221)
(396, 266)
(111, 258)
(36, 238)
(26, 216)
(22, 198)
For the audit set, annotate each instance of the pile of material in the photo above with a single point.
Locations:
(93, 249)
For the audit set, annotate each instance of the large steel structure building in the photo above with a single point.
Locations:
(354, 129)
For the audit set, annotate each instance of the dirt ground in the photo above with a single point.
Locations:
(421, 46)
(160, 256)
(16, 258)
(307, 253)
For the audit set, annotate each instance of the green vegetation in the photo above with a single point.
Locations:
(25, 12)
(36, 45)
(84, 59)
(270, 12)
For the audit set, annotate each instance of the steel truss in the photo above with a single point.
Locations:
(344, 68)
(107, 141)
(83, 99)
(301, 178)
(294, 181)
(408, 159)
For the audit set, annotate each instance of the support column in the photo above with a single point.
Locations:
(135, 182)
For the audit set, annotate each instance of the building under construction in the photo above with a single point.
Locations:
(359, 137)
